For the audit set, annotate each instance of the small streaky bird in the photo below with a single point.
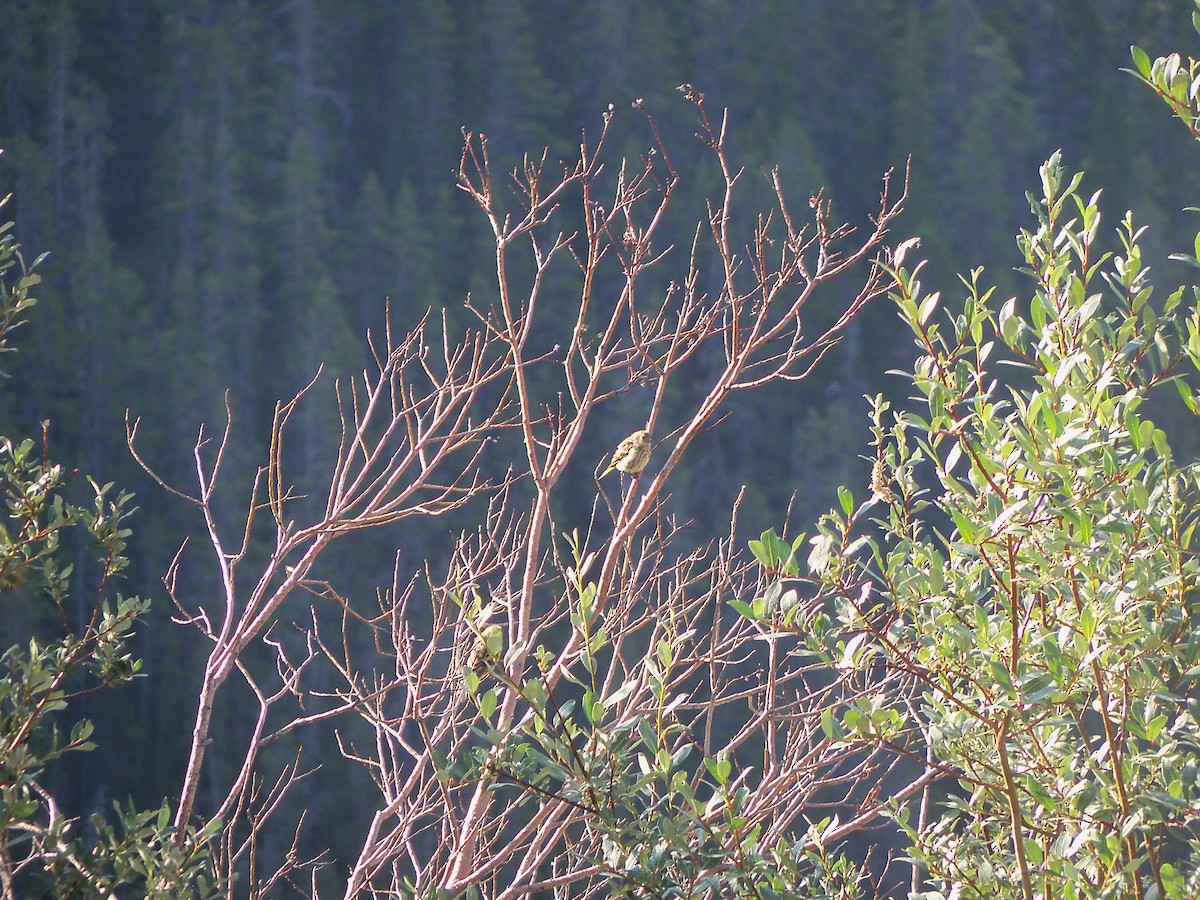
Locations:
(631, 454)
(478, 647)
(485, 650)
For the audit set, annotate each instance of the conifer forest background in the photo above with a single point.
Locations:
(232, 193)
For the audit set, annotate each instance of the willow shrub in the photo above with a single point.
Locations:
(1027, 559)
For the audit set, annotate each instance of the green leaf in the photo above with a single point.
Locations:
(743, 608)
(487, 703)
(1155, 726)
(720, 767)
(846, 499)
(1141, 61)
(928, 305)
(966, 529)
(534, 694)
(1001, 676)
(664, 653)
(680, 756)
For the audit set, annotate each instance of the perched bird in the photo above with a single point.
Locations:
(478, 647)
(485, 649)
(631, 454)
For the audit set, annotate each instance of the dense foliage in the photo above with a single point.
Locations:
(1025, 561)
(78, 630)
(1040, 595)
